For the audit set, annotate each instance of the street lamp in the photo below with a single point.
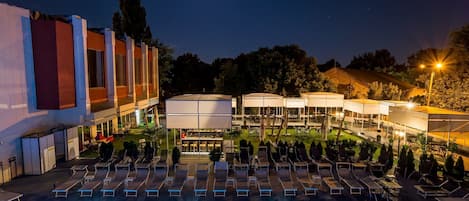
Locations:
(437, 66)
(400, 134)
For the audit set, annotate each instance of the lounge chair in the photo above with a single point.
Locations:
(163, 157)
(325, 171)
(464, 198)
(444, 189)
(10, 196)
(180, 177)
(101, 172)
(284, 176)
(263, 181)
(110, 184)
(360, 173)
(155, 183)
(219, 182)
(344, 171)
(201, 180)
(303, 177)
(79, 172)
(133, 184)
(262, 156)
(242, 180)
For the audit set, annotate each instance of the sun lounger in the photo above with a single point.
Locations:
(325, 171)
(219, 182)
(133, 184)
(242, 182)
(344, 171)
(110, 184)
(303, 177)
(263, 181)
(201, 180)
(10, 196)
(360, 173)
(101, 171)
(442, 190)
(284, 176)
(180, 177)
(79, 172)
(464, 198)
(157, 180)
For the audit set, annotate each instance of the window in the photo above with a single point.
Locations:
(95, 68)
(150, 71)
(121, 71)
(138, 71)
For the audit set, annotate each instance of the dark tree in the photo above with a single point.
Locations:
(191, 75)
(134, 21)
(117, 25)
(380, 60)
(328, 65)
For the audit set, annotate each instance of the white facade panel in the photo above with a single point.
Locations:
(215, 107)
(182, 121)
(233, 103)
(214, 121)
(181, 107)
(294, 102)
(72, 145)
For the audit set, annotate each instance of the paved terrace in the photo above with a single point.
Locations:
(38, 188)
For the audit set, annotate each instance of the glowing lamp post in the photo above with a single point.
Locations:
(437, 66)
(400, 134)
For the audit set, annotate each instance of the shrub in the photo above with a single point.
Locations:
(449, 163)
(105, 151)
(410, 166)
(215, 154)
(148, 151)
(434, 167)
(401, 163)
(390, 162)
(132, 149)
(176, 155)
(459, 169)
(383, 155)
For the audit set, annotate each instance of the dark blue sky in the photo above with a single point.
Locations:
(325, 29)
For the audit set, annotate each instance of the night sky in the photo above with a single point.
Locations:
(325, 29)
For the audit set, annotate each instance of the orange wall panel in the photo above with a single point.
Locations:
(120, 47)
(98, 94)
(95, 41)
(122, 91)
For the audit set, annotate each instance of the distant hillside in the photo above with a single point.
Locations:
(361, 80)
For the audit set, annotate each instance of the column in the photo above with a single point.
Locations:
(130, 46)
(110, 43)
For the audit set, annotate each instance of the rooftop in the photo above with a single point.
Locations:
(201, 97)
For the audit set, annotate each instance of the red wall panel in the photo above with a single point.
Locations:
(95, 41)
(53, 64)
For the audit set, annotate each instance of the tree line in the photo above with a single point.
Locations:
(287, 70)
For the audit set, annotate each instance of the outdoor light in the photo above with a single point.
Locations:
(422, 65)
(410, 105)
(439, 65)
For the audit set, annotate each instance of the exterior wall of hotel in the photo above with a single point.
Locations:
(18, 99)
(18, 113)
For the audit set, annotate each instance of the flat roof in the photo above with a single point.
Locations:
(201, 97)
(435, 110)
(321, 93)
(253, 95)
(363, 101)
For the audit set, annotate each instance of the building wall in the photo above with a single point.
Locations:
(18, 113)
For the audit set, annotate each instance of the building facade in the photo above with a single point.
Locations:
(55, 73)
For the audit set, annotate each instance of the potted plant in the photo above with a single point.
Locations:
(215, 155)
(176, 155)
(459, 169)
(449, 163)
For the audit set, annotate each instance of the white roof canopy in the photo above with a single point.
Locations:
(323, 99)
(294, 102)
(362, 106)
(199, 111)
(430, 119)
(262, 100)
(388, 103)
